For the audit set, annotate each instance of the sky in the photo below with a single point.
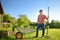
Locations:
(31, 8)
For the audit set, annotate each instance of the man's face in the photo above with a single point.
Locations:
(40, 12)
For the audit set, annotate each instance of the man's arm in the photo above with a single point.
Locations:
(38, 19)
(46, 17)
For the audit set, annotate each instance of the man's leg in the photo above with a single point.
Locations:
(43, 30)
(36, 33)
(37, 30)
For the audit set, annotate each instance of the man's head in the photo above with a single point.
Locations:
(40, 11)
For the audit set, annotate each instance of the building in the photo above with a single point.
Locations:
(1, 14)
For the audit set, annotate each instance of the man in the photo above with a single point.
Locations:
(41, 19)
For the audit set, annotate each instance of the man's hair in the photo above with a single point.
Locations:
(40, 10)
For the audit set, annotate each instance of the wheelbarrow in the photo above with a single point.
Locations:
(22, 31)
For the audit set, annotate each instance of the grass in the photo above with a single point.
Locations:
(54, 34)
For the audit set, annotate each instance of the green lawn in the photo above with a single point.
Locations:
(54, 34)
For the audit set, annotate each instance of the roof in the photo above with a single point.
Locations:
(1, 9)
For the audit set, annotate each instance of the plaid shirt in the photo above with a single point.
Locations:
(41, 19)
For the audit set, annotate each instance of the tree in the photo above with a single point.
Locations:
(23, 21)
(33, 24)
(54, 24)
(6, 18)
(13, 20)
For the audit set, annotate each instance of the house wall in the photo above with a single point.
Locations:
(1, 21)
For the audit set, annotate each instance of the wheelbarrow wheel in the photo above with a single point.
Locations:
(19, 35)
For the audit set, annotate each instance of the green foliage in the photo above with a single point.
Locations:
(23, 21)
(6, 18)
(13, 20)
(33, 24)
(54, 24)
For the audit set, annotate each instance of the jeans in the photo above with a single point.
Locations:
(38, 27)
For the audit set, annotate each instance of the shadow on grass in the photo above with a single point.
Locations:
(31, 38)
(8, 38)
(46, 37)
